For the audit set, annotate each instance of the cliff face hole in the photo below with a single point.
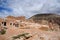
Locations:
(4, 23)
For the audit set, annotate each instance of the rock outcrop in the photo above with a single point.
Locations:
(37, 27)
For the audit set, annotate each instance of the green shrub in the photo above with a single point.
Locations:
(2, 32)
(21, 35)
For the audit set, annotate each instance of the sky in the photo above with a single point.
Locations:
(28, 8)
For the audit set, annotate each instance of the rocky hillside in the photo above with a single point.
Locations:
(29, 31)
(45, 28)
(53, 18)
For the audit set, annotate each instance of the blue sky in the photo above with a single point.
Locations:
(28, 8)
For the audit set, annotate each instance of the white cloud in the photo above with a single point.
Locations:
(31, 7)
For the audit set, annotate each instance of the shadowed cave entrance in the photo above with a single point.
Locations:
(4, 23)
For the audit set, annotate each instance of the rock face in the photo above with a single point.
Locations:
(48, 19)
(19, 28)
